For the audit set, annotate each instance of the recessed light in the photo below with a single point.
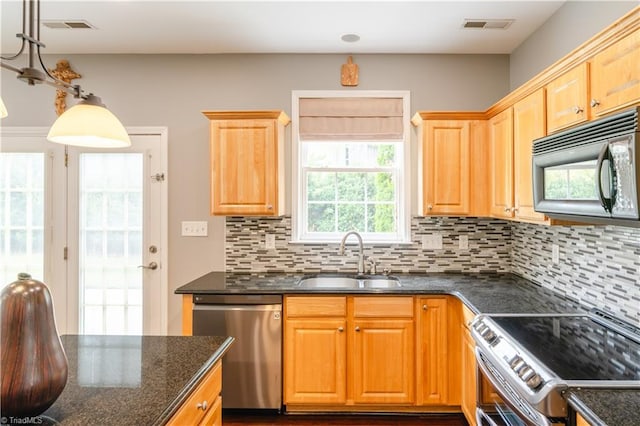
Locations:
(350, 38)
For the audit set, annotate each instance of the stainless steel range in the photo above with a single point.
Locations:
(531, 359)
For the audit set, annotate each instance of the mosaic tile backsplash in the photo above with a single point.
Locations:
(488, 248)
(598, 265)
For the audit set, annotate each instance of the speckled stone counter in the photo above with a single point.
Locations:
(131, 380)
(482, 293)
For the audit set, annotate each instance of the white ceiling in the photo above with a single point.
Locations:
(146, 26)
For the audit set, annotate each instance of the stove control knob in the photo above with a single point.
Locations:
(495, 341)
(526, 373)
(514, 361)
(489, 335)
(518, 365)
(534, 381)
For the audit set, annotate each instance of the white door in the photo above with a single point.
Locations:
(115, 222)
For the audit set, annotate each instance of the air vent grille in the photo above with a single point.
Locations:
(68, 25)
(487, 24)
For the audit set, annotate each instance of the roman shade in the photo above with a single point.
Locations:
(357, 118)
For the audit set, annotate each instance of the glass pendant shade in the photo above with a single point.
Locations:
(89, 124)
(3, 109)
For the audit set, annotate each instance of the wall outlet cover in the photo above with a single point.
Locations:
(555, 254)
(269, 241)
(463, 242)
(432, 242)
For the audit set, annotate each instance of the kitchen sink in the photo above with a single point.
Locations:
(349, 282)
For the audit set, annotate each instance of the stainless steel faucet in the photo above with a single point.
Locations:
(360, 250)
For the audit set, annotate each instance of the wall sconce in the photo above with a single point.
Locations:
(89, 123)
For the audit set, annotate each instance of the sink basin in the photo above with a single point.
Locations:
(349, 282)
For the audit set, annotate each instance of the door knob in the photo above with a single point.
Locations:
(152, 265)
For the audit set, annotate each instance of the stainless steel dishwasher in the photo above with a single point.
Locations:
(252, 368)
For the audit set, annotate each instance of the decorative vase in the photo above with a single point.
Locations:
(34, 365)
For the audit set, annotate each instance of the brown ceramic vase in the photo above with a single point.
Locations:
(34, 365)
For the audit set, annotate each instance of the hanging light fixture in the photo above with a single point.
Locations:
(3, 109)
(89, 123)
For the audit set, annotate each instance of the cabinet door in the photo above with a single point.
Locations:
(244, 171)
(501, 137)
(469, 377)
(446, 167)
(567, 99)
(528, 124)
(615, 75)
(383, 359)
(432, 351)
(315, 361)
(214, 416)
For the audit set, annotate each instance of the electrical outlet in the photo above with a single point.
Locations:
(432, 242)
(269, 241)
(194, 229)
(555, 253)
(463, 242)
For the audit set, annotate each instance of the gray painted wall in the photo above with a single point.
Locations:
(573, 24)
(172, 90)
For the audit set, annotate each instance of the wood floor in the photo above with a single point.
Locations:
(239, 419)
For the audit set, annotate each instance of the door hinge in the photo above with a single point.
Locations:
(65, 253)
(66, 159)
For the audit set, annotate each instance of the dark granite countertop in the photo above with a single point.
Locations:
(482, 293)
(131, 380)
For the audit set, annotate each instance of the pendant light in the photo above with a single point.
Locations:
(3, 109)
(89, 123)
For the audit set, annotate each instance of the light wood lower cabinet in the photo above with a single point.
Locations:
(580, 421)
(469, 395)
(204, 405)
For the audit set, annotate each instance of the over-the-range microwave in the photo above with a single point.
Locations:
(590, 173)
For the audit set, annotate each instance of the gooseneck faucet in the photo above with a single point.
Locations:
(360, 250)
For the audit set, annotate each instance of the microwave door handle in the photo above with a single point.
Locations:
(606, 202)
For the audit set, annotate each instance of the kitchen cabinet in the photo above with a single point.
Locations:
(528, 124)
(452, 183)
(204, 405)
(382, 350)
(615, 75)
(434, 355)
(469, 392)
(445, 167)
(501, 164)
(349, 350)
(247, 162)
(567, 98)
(580, 421)
(315, 350)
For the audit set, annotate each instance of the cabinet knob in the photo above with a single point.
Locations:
(357, 328)
(594, 103)
(269, 207)
(429, 207)
(577, 109)
(507, 209)
(340, 329)
(202, 405)
(424, 307)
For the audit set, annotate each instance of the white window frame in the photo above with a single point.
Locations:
(404, 170)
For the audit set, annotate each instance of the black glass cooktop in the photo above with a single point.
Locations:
(576, 348)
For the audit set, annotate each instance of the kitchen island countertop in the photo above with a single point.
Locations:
(482, 293)
(131, 380)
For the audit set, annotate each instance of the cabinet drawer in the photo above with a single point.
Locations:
(316, 306)
(214, 415)
(193, 411)
(383, 306)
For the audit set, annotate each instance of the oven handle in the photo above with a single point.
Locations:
(534, 418)
(481, 415)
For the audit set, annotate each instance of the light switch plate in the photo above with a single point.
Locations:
(432, 242)
(555, 253)
(194, 229)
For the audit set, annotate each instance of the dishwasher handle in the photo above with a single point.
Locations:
(198, 307)
(237, 299)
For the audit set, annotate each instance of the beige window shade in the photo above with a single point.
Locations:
(350, 118)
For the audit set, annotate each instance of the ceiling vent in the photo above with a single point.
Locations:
(487, 24)
(70, 25)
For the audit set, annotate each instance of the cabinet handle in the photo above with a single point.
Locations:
(357, 328)
(424, 307)
(201, 405)
(577, 109)
(340, 329)
(594, 103)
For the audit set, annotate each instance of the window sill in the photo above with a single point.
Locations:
(351, 242)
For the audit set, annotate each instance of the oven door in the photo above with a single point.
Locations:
(514, 410)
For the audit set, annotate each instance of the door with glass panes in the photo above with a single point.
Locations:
(91, 223)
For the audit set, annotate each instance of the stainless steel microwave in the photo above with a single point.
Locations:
(590, 173)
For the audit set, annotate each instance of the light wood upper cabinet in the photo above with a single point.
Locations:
(501, 164)
(445, 162)
(615, 75)
(247, 162)
(568, 98)
(528, 124)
